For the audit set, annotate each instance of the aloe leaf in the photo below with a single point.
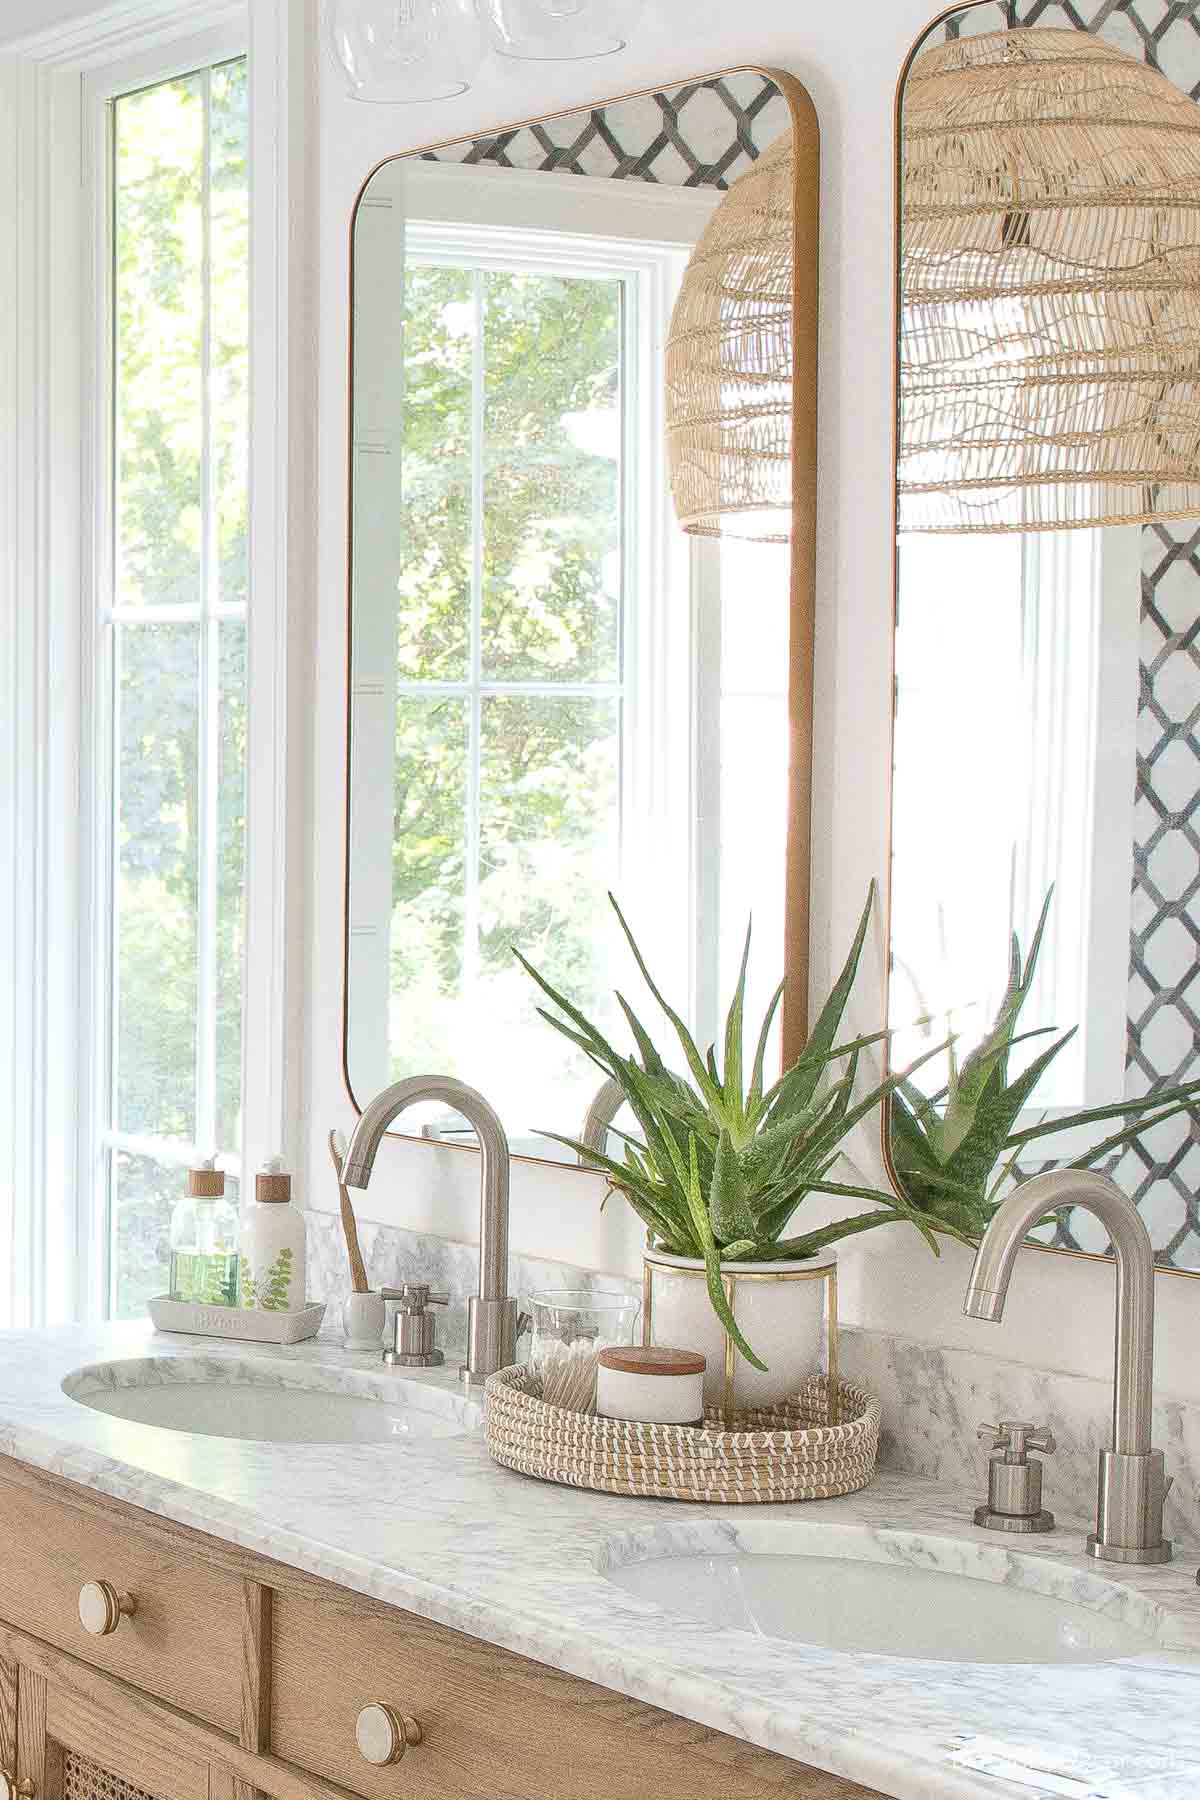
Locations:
(1119, 1139)
(734, 1090)
(799, 1084)
(1179, 1099)
(710, 1089)
(843, 1126)
(739, 1251)
(760, 1053)
(712, 1263)
(651, 1060)
(727, 1207)
(572, 1012)
(810, 1243)
(825, 1030)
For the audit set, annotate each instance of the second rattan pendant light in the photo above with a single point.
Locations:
(1050, 288)
(729, 361)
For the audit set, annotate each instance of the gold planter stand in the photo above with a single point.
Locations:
(731, 1281)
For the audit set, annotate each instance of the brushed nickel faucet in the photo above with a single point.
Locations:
(1132, 1484)
(609, 1100)
(491, 1314)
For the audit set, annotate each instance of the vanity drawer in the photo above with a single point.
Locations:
(183, 1641)
(494, 1726)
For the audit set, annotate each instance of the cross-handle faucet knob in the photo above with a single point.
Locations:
(1016, 1437)
(415, 1346)
(415, 1296)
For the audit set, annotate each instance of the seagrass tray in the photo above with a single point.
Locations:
(789, 1452)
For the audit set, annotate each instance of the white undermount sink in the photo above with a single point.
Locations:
(267, 1401)
(886, 1593)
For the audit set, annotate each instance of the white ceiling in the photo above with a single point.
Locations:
(19, 17)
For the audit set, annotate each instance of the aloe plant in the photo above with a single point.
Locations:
(722, 1160)
(956, 1150)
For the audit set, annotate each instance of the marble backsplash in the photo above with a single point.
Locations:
(393, 1257)
(933, 1398)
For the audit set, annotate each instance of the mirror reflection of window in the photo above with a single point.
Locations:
(997, 803)
(555, 692)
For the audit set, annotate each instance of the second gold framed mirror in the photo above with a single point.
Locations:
(1045, 856)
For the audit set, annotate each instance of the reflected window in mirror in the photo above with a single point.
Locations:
(555, 692)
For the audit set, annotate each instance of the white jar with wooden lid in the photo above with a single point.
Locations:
(651, 1385)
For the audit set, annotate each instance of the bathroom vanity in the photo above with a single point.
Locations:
(230, 1674)
(267, 1617)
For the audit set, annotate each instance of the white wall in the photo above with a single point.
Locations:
(1060, 1312)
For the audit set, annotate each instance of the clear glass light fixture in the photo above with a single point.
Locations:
(559, 30)
(406, 50)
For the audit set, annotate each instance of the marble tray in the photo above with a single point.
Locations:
(235, 1322)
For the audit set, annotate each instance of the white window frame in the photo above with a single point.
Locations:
(102, 618)
(52, 1235)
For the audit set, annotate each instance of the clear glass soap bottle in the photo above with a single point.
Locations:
(204, 1241)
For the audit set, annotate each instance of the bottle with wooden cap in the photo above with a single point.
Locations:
(651, 1385)
(273, 1245)
(204, 1241)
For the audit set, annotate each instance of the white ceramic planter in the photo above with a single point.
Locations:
(780, 1309)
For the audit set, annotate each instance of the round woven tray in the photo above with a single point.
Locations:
(789, 1452)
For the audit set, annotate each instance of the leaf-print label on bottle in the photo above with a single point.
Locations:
(268, 1288)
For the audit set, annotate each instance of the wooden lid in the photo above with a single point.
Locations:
(652, 1360)
(271, 1189)
(206, 1184)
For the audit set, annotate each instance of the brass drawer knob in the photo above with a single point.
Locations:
(11, 1788)
(383, 1734)
(101, 1609)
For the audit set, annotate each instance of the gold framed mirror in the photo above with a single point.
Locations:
(554, 690)
(1044, 869)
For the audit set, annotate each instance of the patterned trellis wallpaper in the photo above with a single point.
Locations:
(1163, 1043)
(702, 134)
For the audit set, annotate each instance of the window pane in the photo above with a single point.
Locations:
(434, 586)
(549, 828)
(144, 1195)
(552, 446)
(231, 875)
(230, 354)
(428, 864)
(158, 252)
(156, 878)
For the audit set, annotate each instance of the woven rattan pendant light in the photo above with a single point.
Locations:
(1050, 286)
(729, 361)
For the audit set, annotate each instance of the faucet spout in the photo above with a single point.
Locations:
(492, 1315)
(1132, 1485)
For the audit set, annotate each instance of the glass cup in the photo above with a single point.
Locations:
(571, 1326)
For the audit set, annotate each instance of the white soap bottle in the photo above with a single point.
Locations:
(272, 1245)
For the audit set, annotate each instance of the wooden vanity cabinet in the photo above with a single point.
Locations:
(142, 1711)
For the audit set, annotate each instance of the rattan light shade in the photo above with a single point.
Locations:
(729, 361)
(1050, 283)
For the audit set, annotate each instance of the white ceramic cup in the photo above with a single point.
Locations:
(363, 1319)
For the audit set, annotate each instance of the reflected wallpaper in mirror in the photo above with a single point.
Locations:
(1046, 754)
(554, 691)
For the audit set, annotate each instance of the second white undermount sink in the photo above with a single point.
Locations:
(265, 1401)
(885, 1593)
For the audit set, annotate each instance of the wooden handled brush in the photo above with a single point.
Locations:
(358, 1270)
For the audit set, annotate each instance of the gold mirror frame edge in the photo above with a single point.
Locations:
(802, 579)
(950, 12)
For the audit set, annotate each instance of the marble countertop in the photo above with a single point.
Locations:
(435, 1527)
